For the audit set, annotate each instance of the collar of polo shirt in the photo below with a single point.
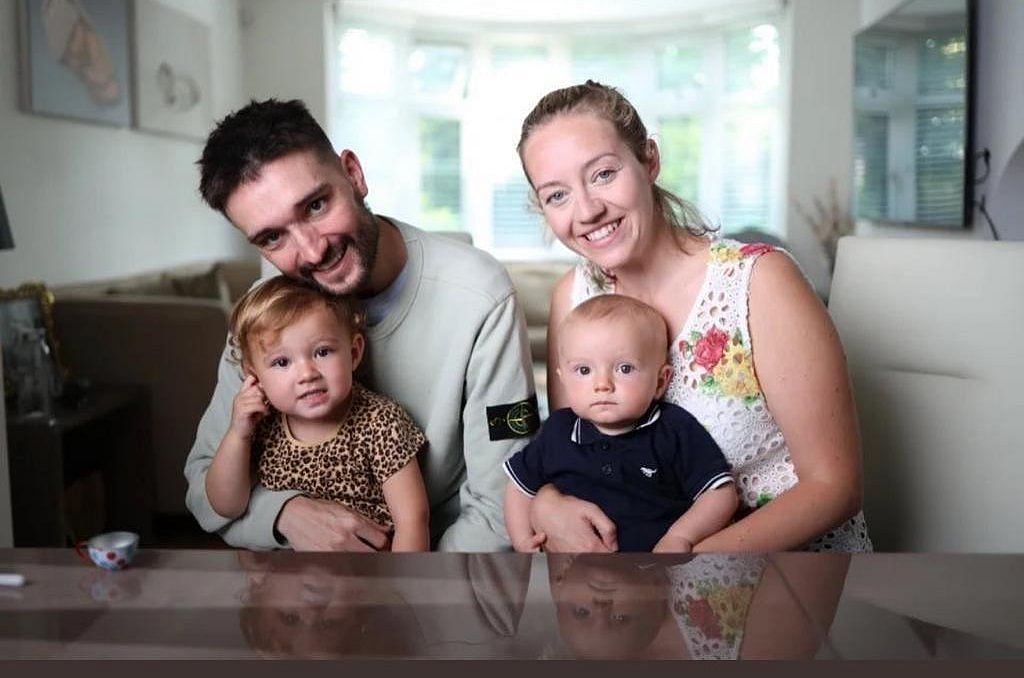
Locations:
(584, 432)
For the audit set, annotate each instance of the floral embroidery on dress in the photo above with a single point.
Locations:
(711, 601)
(724, 251)
(719, 612)
(727, 363)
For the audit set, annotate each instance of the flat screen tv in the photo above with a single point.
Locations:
(913, 115)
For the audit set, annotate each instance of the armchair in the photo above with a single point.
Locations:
(932, 331)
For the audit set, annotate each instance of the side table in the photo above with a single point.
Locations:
(107, 433)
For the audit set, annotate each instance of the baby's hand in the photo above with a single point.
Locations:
(671, 543)
(532, 544)
(249, 407)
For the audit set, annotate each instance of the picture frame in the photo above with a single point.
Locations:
(75, 59)
(173, 72)
(34, 374)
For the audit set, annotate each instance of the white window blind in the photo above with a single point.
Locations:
(871, 167)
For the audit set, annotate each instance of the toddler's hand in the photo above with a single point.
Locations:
(671, 543)
(249, 407)
(533, 544)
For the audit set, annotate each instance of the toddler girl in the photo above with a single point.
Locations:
(301, 421)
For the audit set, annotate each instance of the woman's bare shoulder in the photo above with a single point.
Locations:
(777, 284)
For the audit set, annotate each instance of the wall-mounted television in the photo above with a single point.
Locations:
(913, 112)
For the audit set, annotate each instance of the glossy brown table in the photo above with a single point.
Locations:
(228, 604)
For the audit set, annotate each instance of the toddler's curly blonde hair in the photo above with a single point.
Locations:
(277, 303)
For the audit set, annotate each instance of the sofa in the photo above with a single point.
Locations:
(164, 330)
(534, 282)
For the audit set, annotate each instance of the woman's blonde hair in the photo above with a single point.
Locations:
(276, 304)
(608, 104)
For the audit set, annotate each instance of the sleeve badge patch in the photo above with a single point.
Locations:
(514, 420)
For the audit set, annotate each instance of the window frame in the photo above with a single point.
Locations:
(478, 188)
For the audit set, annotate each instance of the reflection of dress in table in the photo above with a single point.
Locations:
(710, 601)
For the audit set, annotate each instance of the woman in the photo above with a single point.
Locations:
(755, 355)
(709, 606)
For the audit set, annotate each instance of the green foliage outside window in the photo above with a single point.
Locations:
(679, 141)
(440, 180)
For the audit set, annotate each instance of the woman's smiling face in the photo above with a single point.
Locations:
(596, 195)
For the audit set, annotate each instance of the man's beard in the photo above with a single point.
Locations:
(363, 245)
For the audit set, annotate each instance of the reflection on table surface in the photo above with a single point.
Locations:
(181, 603)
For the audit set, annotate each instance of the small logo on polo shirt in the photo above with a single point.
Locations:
(648, 472)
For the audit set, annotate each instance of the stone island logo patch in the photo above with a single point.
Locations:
(515, 420)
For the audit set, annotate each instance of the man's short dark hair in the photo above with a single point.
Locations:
(252, 136)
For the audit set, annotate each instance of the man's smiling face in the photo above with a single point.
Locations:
(307, 216)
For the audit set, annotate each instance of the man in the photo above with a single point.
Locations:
(446, 337)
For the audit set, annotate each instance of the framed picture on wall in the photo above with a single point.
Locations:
(75, 59)
(172, 72)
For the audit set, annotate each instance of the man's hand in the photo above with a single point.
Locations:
(320, 525)
(571, 525)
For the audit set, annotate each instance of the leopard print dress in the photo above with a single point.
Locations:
(376, 440)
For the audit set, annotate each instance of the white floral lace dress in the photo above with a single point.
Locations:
(714, 380)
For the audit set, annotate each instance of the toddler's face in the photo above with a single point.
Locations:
(308, 609)
(306, 370)
(611, 370)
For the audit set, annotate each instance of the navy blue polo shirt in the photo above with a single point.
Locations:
(643, 479)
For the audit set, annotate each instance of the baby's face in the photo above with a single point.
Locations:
(611, 370)
(609, 609)
(306, 370)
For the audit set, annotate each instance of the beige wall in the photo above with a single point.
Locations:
(818, 81)
(283, 48)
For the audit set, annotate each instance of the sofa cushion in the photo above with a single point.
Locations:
(239, 275)
(534, 282)
(147, 285)
(209, 284)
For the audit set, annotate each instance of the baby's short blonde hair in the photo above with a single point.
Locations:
(621, 307)
(279, 302)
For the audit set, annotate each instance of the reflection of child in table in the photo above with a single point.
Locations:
(305, 424)
(697, 607)
(303, 605)
(650, 466)
(324, 609)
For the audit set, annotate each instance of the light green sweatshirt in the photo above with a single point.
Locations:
(453, 344)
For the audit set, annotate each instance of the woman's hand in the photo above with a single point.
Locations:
(571, 525)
